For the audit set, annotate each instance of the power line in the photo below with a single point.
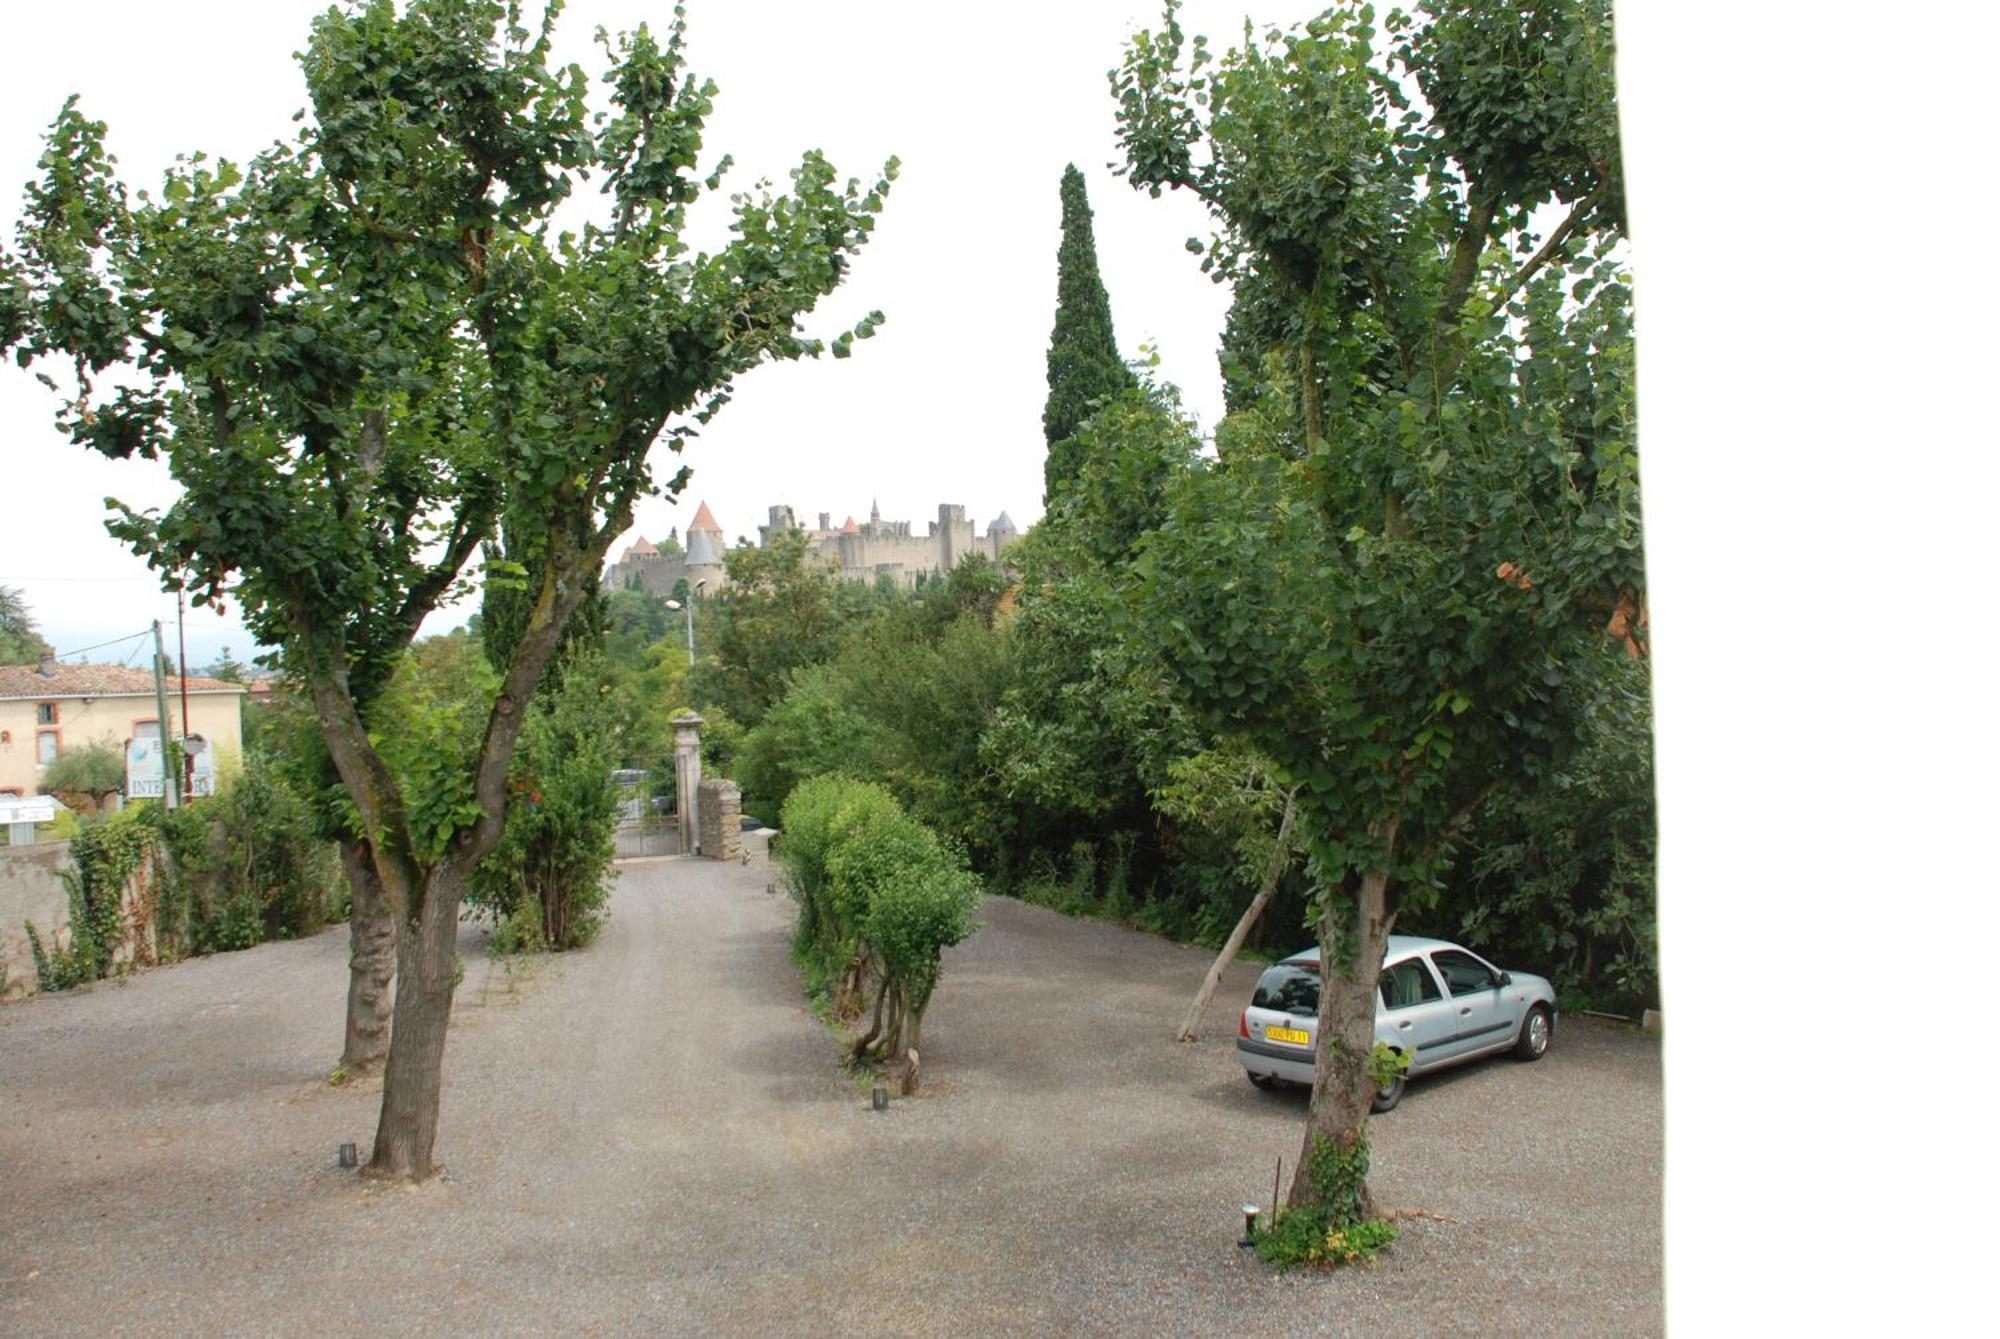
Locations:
(115, 641)
(23, 578)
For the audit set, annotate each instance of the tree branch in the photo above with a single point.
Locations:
(370, 783)
(1465, 253)
(564, 586)
(1542, 257)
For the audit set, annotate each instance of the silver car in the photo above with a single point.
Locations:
(1436, 1002)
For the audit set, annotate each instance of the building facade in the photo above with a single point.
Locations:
(868, 551)
(49, 708)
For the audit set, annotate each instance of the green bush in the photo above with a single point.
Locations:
(556, 852)
(248, 865)
(1335, 1230)
(880, 899)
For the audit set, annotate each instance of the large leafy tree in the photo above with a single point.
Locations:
(20, 642)
(1084, 366)
(1429, 507)
(361, 350)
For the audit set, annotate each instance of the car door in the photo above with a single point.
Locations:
(1486, 1015)
(1416, 1017)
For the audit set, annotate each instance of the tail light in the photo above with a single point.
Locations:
(1243, 1024)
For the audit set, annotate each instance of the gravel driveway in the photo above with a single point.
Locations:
(651, 1137)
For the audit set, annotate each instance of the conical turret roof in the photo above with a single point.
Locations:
(704, 519)
(702, 550)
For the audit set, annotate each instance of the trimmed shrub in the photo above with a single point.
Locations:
(880, 899)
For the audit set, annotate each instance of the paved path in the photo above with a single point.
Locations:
(651, 1137)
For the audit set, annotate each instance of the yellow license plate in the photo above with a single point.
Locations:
(1292, 1035)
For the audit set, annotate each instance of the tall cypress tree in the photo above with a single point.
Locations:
(1084, 365)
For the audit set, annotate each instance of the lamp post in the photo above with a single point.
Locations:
(689, 607)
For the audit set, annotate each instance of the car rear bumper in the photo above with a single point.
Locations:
(1271, 1060)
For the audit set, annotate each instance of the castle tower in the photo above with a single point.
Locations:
(705, 544)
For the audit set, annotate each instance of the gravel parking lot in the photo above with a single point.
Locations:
(651, 1137)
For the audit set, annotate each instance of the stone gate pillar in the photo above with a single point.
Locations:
(721, 819)
(687, 779)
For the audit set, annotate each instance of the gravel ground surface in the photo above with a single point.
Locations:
(651, 1137)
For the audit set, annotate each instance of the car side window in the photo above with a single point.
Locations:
(1463, 974)
(1408, 982)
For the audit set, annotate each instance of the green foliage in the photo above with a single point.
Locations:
(227, 668)
(20, 643)
(973, 588)
(904, 702)
(1084, 366)
(1562, 875)
(1408, 567)
(550, 870)
(102, 862)
(227, 872)
(1335, 1229)
(520, 930)
(96, 769)
(1387, 1063)
(428, 727)
(880, 899)
(781, 612)
(371, 350)
(248, 865)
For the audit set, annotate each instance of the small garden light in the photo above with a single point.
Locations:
(1249, 1226)
(349, 1156)
(880, 1097)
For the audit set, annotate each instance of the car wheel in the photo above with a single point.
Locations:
(1264, 1081)
(1387, 1097)
(1535, 1030)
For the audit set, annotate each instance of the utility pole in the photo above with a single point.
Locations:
(187, 721)
(169, 783)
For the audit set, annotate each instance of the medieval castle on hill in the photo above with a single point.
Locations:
(856, 552)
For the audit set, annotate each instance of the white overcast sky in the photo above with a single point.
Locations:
(983, 106)
(1820, 475)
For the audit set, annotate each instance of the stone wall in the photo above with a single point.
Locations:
(31, 889)
(721, 817)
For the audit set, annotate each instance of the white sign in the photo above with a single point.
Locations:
(32, 809)
(143, 779)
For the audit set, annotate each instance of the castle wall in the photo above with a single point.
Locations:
(878, 548)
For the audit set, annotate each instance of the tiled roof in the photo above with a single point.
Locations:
(18, 681)
(704, 519)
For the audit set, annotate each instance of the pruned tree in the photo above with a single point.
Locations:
(95, 769)
(361, 350)
(1432, 503)
(1084, 366)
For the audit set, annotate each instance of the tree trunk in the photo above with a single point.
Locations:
(426, 975)
(1274, 871)
(911, 1074)
(1342, 1091)
(371, 962)
(864, 1043)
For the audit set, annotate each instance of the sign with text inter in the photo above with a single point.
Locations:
(143, 780)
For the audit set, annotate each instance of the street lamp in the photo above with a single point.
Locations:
(689, 607)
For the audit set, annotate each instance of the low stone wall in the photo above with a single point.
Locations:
(720, 814)
(31, 889)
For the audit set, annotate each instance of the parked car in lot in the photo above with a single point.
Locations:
(1437, 1002)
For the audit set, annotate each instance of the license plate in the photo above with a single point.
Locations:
(1292, 1035)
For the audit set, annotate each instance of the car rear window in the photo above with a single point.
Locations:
(1288, 988)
